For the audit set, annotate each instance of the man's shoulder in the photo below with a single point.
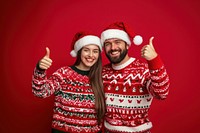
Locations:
(107, 65)
(139, 62)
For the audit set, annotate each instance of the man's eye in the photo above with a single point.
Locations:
(106, 44)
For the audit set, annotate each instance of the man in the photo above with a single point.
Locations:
(130, 84)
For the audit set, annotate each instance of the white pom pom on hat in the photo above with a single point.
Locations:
(137, 40)
(122, 31)
(73, 53)
(82, 39)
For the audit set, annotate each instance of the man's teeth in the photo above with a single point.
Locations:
(116, 52)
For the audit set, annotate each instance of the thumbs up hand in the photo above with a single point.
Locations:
(45, 62)
(148, 52)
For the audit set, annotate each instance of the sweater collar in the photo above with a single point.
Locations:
(123, 65)
(82, 72)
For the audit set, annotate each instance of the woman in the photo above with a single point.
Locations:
(79, 98)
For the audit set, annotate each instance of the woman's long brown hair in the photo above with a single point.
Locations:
(95, 77)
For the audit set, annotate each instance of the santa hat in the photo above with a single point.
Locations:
(120, 30)
(82, 39)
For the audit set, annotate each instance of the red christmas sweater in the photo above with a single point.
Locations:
(74, 109)
(129, 90)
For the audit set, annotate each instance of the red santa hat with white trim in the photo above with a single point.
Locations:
(121, 31)
(82, 39)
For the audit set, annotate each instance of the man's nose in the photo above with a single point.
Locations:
(113, 46)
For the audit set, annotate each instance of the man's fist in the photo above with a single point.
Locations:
(148, 52)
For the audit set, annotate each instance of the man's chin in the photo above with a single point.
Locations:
(114, 60)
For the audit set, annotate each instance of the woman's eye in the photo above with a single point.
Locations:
(85, 50)
(96, 51)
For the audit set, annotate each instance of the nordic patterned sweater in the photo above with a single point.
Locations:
(74, 109)
(129, 91)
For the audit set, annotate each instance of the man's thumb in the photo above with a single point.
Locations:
(151, 41)
(47, 52)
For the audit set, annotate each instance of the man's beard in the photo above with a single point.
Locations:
(116, 60)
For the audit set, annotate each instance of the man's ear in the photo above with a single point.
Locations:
(127, 46)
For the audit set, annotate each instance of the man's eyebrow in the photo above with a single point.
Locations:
(106, 42)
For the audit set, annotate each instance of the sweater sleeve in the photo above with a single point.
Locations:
(158, 85)
(44, 87)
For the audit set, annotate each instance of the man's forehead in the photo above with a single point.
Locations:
(112, 39)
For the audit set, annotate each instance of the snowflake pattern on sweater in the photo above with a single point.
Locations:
(129, 91)
(74, 109)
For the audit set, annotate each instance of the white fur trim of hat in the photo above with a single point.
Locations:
(86, 40)
(120, 34)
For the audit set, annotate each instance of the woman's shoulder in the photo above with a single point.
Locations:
(65, 69)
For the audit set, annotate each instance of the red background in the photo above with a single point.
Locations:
(28, 26)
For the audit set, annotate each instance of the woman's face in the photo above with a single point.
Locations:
(89, 56)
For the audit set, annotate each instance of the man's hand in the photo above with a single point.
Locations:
(45, 62)
(148, 52)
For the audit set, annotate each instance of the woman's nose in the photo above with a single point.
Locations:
(90, 53)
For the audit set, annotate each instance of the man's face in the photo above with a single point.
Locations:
(115, 50)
